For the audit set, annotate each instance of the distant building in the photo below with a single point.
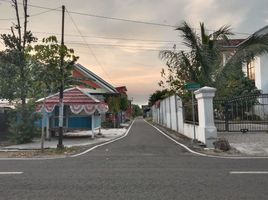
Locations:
(146, 110)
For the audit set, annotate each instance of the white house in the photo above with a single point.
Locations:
(257, 69)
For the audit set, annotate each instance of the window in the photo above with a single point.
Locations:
(251, 70)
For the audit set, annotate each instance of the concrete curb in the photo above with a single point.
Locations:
(105, 143)
(75, 155)
(202, 154)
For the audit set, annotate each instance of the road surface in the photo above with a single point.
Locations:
(143, 165)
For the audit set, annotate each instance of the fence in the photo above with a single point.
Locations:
(170, 113)
(190, 112)
(242, 114)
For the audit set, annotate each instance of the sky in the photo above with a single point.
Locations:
(120, 40)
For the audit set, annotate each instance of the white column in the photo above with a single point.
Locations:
(207, 131)
(92, 126)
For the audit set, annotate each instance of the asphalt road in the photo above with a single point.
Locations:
(143, 165)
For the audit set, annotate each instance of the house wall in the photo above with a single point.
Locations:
(261, 73)
(72, 121)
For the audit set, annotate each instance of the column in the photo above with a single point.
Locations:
(207, 131)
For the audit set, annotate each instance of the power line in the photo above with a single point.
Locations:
(122, 19)
(124, 46)
(89, 47)
(114, 18)
(32, 15)
(103, 44)
(40, 13)
(113, 38)
(103, 17)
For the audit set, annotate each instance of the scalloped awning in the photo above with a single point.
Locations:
(75, 98)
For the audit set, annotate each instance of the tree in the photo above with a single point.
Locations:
(16, 74)
(203, 63)
(114, 106)
(136, 111)
(123, 103)
(158, 95)
(16, 68)
(47, 57)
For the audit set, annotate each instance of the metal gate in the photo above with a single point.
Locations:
(242, 114)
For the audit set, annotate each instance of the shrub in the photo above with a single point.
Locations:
(22, 127)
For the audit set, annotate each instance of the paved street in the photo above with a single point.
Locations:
(143, 165)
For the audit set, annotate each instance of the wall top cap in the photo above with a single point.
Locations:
(205, 89)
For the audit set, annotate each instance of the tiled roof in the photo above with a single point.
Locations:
(70, 97)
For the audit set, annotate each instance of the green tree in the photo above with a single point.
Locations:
(47, 59)
(16, 69)
(114, 106)
(22, 121)
(16, 74)
(123, 103)
(158, 95)
(203, 63)
(136, 110)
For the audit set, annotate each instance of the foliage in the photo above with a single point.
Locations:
(15, 59)
(203, 63)
(47, 57)
(236, 84)
(16, 75)
(136, 110)
(158, 95)
(21, 125)
(123, 103)
(114, 104)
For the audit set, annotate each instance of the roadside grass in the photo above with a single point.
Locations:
(47, 153)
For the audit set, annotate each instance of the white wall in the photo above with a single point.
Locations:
(261, 73)
(170, 115)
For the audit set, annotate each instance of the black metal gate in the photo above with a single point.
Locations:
(242, 114)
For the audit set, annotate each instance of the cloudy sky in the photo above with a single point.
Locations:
(125, 52)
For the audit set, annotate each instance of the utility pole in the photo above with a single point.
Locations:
(61, 105)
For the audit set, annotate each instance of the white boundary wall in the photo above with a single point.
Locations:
(170, 115)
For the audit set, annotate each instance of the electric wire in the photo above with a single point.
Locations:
(118, 19)
(112, 38)
(32, 15)
(89, 47)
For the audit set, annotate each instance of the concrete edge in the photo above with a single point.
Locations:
(202, 154)
(75, 155)
(105, 143)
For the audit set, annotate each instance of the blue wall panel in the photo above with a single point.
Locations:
(79, 122)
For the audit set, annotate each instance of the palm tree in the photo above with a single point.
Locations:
(203, 63)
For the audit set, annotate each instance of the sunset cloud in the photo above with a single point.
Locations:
(127, 53)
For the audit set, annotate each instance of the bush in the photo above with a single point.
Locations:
(107, 124)
(21, 124)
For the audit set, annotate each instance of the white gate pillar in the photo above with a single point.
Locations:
(207, 131)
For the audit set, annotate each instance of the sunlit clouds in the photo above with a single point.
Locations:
(127, 52)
